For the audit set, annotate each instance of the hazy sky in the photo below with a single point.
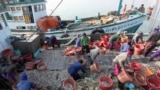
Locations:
(86, 8)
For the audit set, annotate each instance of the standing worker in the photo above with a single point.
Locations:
(84, 43)
(78, 41)
(74, 68)
(141, 8)
(151, 41)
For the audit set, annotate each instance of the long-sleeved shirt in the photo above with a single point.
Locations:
(75, 67)
(114, 38)
(25, 85)
(136, 38)
(153, 37)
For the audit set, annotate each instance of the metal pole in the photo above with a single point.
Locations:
(119, 7)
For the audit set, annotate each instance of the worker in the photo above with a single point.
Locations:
(125, 46)
(93, 54)
(114, 38)
(137, 38)
(54, 41)
(149, 11)
(155, 55)
(85, 44)
(141, 8)
(24, 83)
(74, 68)
(78, 41)
(151, 41)
(9, 73)
(120, 59)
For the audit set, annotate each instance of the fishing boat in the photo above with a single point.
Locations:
(110, 23)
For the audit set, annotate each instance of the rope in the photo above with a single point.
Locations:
(56, 7)
(153, 15)
(133, 2)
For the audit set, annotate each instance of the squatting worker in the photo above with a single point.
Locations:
(85, 43)
(9, 72)
(137, 38)
(114, 38)
(54, 41)
(25, 84)
(74, 68)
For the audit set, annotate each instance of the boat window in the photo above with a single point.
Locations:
(29, 27)
(41, 8)
(38, 7)
(25, 9)
(5, 1)
(1, 17)
(21, 0)
(23, 27)
(1, 26)
(15, 18)
(8, 16)
(44, 7)
(17, 0)
(13, 8)
(8, 8)
(18, 8)
(18, 27)
(10, 1)
(35, 8)
(20, 17)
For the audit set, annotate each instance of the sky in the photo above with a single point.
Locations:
(69, 9)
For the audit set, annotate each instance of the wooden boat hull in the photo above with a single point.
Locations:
(130, 25)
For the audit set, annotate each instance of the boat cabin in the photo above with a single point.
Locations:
(23, 14)
(4, 29)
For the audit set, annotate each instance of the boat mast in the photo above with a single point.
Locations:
(154, 16)
(119, 7)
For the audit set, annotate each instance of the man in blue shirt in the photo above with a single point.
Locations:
(125, 47)
(74, 68)
(25, 84)
(78, 41)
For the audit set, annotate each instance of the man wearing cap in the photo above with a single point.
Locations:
(24, 83)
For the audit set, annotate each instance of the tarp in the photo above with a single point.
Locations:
(47, 22)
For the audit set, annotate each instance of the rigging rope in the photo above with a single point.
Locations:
(56, 7)
(133, 2)
(154, 15)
